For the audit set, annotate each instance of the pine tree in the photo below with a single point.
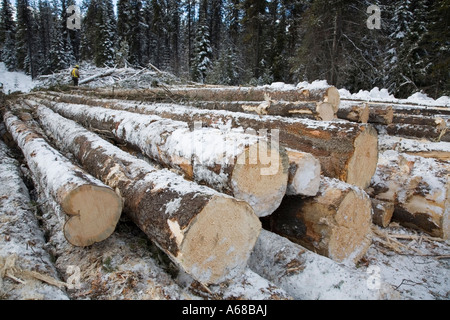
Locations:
(202, 54)
(7, 36)
(26, 43)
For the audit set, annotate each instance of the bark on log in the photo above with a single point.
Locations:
(354, 112)
(346, 151)
(304, 174)
(208, 234)
(419, 189)
(309, 110)
(92, 208)
(308, 276)
(336, 223)
(382, 212)
(415, 147)
(245, 166)
(26, 270)
(382, 114)
(431, 133)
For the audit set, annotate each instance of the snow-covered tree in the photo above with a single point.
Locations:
(202, 54)
(7, 36)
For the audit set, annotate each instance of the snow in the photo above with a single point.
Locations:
(15, 81)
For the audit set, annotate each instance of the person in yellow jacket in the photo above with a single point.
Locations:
(76, 75)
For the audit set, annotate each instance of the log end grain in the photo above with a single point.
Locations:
(326, 111)
(363, 163)
(260, 177)
(220, 240)
(304, 174)
(333, 97)
(93, 212)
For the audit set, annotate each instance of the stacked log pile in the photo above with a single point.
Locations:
(222, 162)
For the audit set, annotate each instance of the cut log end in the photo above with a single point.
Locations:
(304, 174)
(351, 239)
(93, 213)
(333, 97)
(363, 163)
(260, 178)
(326, 111)
(219, 242)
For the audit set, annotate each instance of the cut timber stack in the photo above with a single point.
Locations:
(245, 166)
(92, 208)
(336, 223)
(346, 151)
(208, 234)
(418, 187)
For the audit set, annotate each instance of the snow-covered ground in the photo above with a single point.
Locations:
(15, 81)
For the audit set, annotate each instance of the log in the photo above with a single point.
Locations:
(96, 76)
(304, 174)
(380, 113)
(415, 147)
(26, 268)
(308, 276)
(208, 234)
(336, 223)
(92, 208)
(346, 151)
(418, 187)
(310, 110)
(354, 112)
(382, 212)
(431, 133)
(241, 165)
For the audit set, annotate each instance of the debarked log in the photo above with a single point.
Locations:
(336, 223)
(208, 234)
(245, 166)
(93, 209)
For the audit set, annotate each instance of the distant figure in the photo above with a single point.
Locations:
(76, 75)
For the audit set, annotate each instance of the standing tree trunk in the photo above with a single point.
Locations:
(208, 234)
(92, 208)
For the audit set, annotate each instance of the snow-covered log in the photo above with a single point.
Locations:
(346, 151)
(308, 276)
(92, 208)
(415, 147)
(419, 188)
(434, 133)
(381, 113)
(301, 109)
(304, 174)
(26, 270)
(336, 223)
(96, 76)
(208, 234)
(244, 166)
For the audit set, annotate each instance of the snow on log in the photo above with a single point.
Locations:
(336, 223)
(301, 109)
(92, 208)
(242, 165)
(359, 112)
(419, 188)
(96, 76)
(380, 113)
(346, 151)
(304, 174)
(208, 234)
(415, 147)
(26, 270)
(308, 276)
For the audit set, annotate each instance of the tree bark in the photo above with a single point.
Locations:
(418, 187)
(92, 208)
(382, 114)
(245, 166)
(382, 212)
(346, 151)
(208, 234)
(336, 223)
(413, 131)
(309, 110)
(354, 112)
(308, 276)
